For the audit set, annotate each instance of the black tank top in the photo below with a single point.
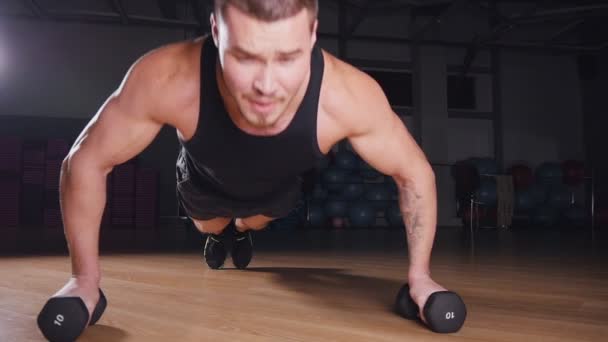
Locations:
(221, 157)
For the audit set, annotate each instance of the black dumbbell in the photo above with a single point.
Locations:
(444, 311)
(63, 319)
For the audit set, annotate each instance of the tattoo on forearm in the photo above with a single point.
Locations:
(410, 208)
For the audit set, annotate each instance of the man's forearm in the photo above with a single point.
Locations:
(418, 202)
(83, 198)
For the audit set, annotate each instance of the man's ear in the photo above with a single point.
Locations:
(214, 29)
(313, 39)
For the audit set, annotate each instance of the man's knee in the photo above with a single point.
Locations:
(257, 222)
(212, 226)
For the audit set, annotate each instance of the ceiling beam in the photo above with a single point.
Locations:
(342, 28)
(93, 17)
(499, 25)
(197, 11)
(117, 6)
(360, 15)
(36, 9)
(576, 12)
(117, 18)
(168, 8)
(460, 44)
(565, 29)
(443, 11)
(432, 10)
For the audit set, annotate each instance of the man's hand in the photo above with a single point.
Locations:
(83, 287)
(421, 287)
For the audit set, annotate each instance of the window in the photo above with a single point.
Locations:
(397, 85)
(461, 92)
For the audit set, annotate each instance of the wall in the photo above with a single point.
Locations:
(540, 104)
(67, 70)
(541, 99)
(595, 108)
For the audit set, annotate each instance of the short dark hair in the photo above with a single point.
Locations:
(270, 10)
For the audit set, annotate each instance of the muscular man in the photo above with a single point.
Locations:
(254, 105)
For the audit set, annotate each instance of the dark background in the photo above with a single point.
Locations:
(514, 81)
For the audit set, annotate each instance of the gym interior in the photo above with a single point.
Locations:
(506, 98)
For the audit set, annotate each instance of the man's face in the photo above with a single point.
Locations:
(264, 64)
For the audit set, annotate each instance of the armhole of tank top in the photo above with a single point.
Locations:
(317, 149)
(315, 141)
(202, 101)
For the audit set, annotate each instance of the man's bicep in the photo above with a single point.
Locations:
(122, 128)
(387, 146)
(375, 131)
(115, 135)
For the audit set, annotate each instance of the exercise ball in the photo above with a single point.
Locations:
(559, 197)
(549, 173)
(485, 166)
(545, 216)
(361, 214)
(573, 172)
(523, 177)
(576, 216)
(524, 201)
(336, 207)
(353, 189)
(486, 193)
(334, 178)
(289, 222)
(378, 195)
(323, 162)
(367, 171)
(392, 187)
(466, 178)
(318, 193)
(538, 193)
(346, 160)
(338, 223)
(393, 216)
(316, 215)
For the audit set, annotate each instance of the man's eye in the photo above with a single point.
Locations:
(286, 59)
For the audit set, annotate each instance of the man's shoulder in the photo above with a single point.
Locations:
(169, 77)
(172, 61)
(347, 90)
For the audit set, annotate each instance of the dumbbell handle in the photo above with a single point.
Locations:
(444, 311)
(65, 318)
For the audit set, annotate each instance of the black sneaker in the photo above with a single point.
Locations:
(214, 252)
(242, 249)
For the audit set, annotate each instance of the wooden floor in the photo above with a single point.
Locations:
(330, 287)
